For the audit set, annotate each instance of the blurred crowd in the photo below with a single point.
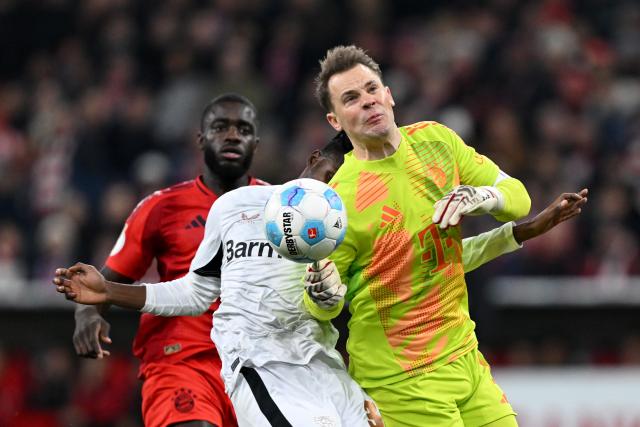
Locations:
(100, 103)
(54, 389)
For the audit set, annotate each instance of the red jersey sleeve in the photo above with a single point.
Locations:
(134, 250)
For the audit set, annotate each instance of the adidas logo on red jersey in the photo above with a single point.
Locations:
(197, 222)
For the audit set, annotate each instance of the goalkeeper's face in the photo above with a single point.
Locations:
(228, 139)
(362, 105)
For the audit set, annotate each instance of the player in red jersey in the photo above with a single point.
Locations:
(180, 366)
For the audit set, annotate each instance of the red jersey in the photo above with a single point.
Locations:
(168, 225)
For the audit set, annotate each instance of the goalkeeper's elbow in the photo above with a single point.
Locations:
(517, 201)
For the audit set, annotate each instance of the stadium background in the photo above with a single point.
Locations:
(100, 101)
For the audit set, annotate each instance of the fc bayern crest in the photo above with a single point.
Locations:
(184, 400)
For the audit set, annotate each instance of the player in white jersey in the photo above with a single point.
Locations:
(279, 363)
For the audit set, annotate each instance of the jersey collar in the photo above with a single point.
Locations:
(201, 185)
(389, 164)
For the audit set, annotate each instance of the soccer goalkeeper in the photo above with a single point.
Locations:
(411, 343)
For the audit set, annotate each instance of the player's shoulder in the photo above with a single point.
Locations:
(345, 180)
(250, 194)
(258, 181)
(167, 195)
(176, 190)
(426, 129)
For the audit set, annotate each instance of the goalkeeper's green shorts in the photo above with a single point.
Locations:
(462, 393)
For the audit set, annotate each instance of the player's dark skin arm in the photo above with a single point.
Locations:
(91, 328)
(84, 284)
(564, 207)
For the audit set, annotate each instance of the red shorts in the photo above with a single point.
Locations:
(187, 390)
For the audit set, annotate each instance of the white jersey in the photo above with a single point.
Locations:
(261, 317)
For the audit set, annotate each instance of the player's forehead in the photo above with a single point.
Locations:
(333, 162)
(356, 78)
(330, 163)
(230, 111)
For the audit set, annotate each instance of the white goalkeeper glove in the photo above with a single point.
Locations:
(323, 284)
(466, 200)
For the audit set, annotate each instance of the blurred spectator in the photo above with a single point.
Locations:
(103, 392)
(12, 268)
(630, 352)
(51, 368)
(56, 239)
(14, 383)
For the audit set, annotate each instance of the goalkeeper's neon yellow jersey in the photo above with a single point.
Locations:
(405, 277)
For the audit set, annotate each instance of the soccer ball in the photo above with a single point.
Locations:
(305, 220)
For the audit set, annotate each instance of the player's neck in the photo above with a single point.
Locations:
(377, 149)
(220, 185)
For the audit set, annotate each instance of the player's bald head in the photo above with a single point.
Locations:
(226, 98)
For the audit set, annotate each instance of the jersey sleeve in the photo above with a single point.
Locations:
(477, 170)
(322, 313)
(133, 252)
(517, 202)
(481, 249)
(192, 294)
(189, 295)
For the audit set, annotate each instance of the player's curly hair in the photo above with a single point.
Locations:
(339, 59)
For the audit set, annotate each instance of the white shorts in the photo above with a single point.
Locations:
(320, 393)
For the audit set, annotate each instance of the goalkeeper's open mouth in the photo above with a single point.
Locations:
(375, 119)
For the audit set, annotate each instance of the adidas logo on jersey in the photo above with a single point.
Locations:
(234, 250)
(388, 215)
(197, 222)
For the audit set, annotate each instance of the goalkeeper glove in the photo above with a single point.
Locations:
(322, 283)
(466, 200)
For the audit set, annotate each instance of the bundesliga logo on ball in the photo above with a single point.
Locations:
(305, 220)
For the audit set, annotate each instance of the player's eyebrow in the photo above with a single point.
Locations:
(218, 120)
(238, 122)
(243, 122)
(370, 83)
(355, 91)
(348, 93)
